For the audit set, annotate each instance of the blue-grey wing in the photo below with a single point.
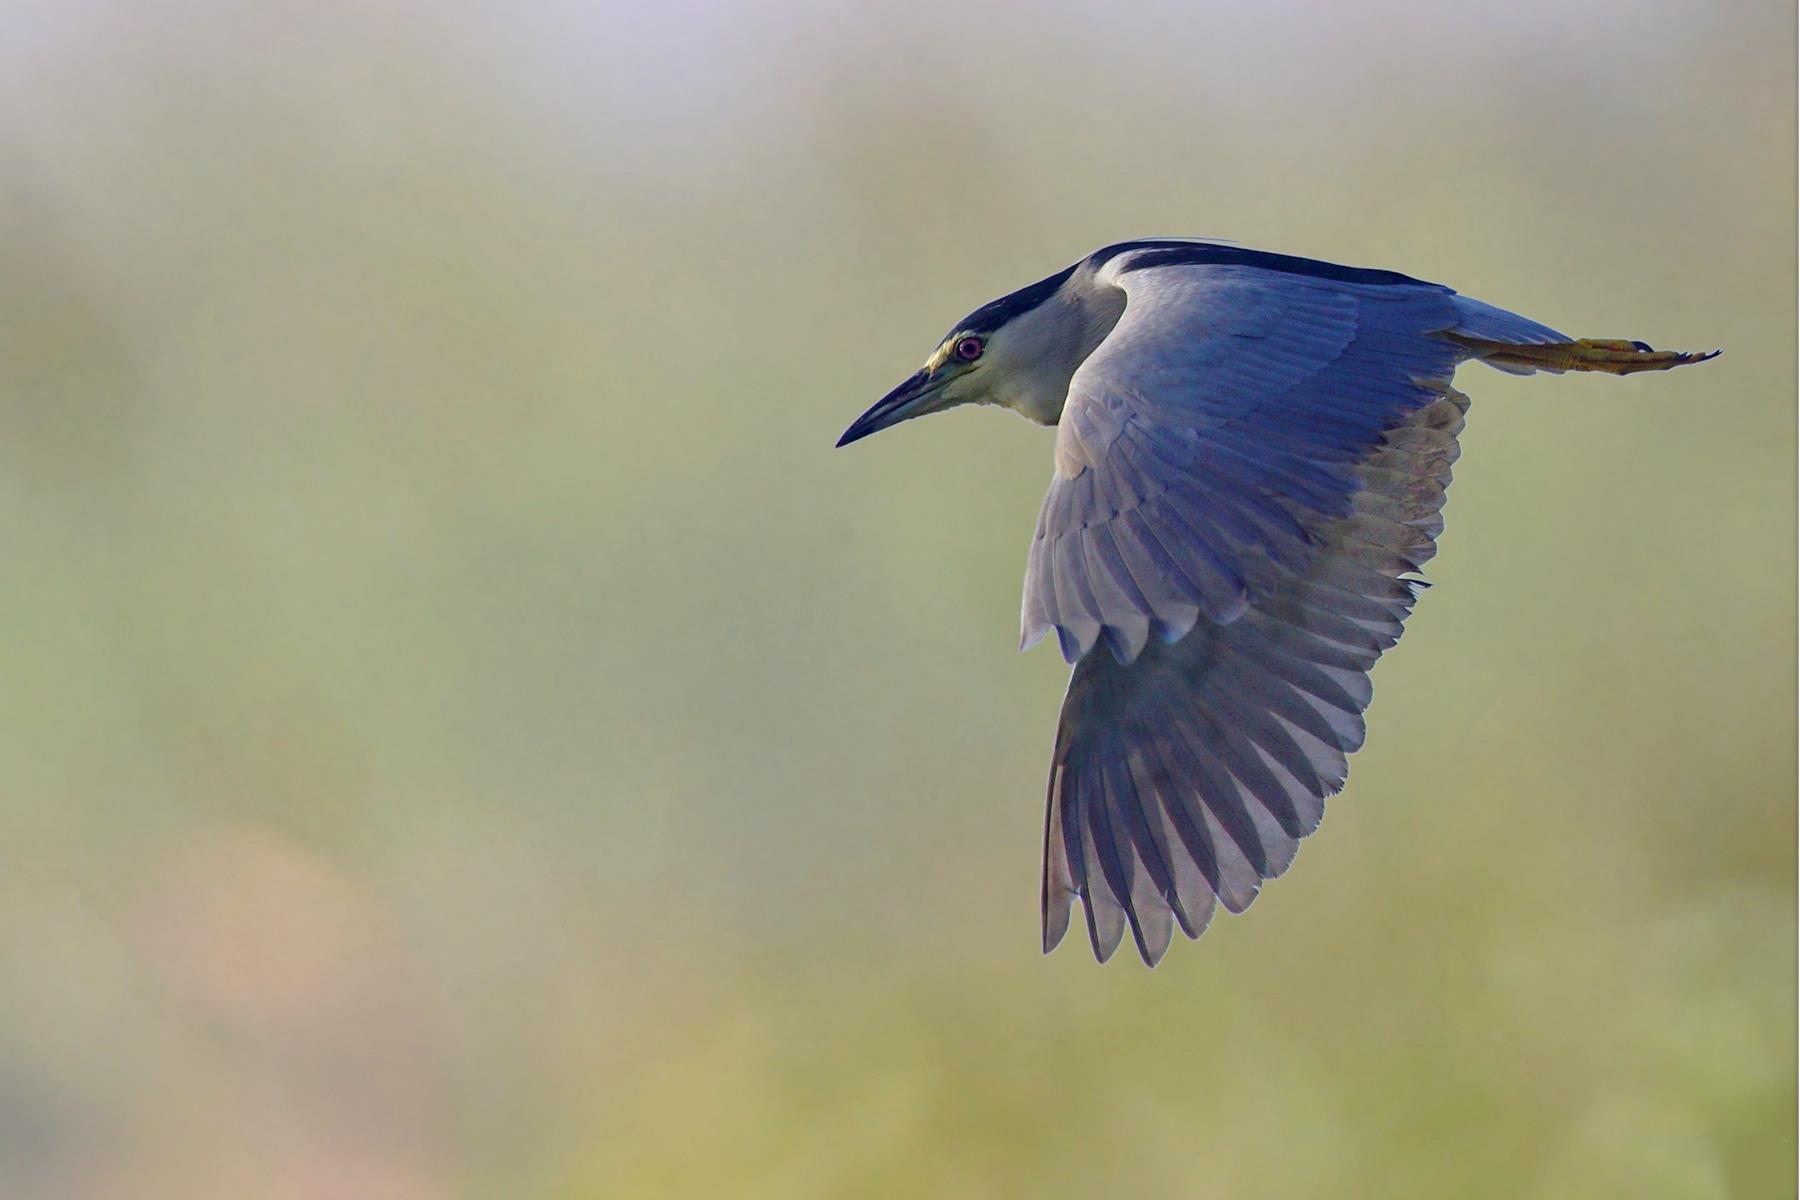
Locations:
(1249, 469)
(1215, 426)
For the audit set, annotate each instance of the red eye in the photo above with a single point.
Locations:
(969, 349)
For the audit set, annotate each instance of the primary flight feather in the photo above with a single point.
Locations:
(1251, 458)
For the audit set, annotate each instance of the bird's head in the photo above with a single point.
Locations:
(1018, 351)
(956, 373)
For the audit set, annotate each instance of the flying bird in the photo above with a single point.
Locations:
(1252, 451)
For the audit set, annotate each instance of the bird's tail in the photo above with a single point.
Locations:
(1614, 356)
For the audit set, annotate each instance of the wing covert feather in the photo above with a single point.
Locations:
(1215, 428)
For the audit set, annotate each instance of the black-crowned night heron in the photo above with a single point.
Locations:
(1251, 457)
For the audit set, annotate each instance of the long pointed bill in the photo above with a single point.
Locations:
(911, 399)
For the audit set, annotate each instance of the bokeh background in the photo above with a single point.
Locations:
(466, 733)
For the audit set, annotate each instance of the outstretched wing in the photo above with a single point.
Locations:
(1248, 470)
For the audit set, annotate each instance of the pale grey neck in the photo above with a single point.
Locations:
(1044, 347)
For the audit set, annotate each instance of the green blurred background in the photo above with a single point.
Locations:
(466, 733)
